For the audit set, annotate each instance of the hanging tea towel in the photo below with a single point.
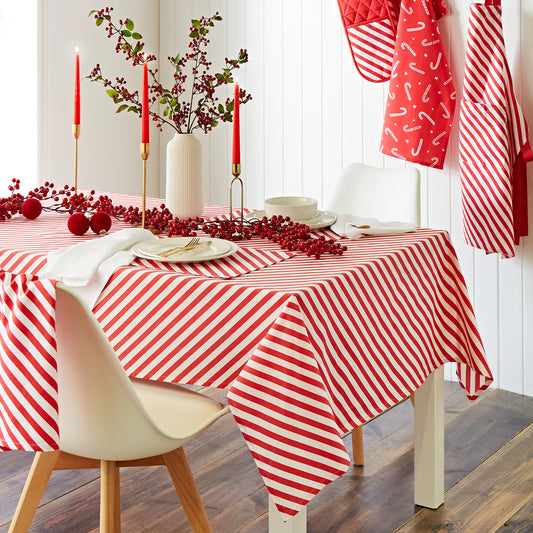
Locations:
(493, 137)
(421, 100)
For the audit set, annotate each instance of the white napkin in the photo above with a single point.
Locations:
(354, 227)
(88, 266)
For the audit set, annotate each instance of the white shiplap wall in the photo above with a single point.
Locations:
(311, 114)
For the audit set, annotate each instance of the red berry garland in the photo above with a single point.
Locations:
(291, 236)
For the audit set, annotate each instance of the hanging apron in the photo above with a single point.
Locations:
(493, 140)
(421, 99)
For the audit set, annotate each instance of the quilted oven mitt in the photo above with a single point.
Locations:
(370, 27)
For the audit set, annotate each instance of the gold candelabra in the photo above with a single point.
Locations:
(145, 152)
(76, 134)
(236, 171)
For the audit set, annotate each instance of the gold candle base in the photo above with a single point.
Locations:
(76, 134)
(236, 171)
(145, 152)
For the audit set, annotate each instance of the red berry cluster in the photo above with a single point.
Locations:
(290, 235)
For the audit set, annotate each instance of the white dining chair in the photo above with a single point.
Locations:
(388, 194)
(108, 421)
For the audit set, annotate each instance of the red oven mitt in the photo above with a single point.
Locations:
(421, 100)
(370, 27)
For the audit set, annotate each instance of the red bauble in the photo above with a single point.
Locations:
(31, 208)
(100, 222)
(78, 223)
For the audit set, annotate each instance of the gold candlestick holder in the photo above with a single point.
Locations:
(76, 134)
(236, 171)
(145, 152)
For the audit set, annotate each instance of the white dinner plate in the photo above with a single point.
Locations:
(208, 249)
(323, 219)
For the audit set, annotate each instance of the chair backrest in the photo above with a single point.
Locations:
(382, 193)
(100, 414)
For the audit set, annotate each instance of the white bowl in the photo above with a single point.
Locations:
(298, 208)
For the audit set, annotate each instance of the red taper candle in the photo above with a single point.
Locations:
(145, 137)
(236, 129)
(77, 90)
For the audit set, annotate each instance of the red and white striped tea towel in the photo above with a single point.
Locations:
(493, 139)
(28, 386)
(243, 261)
(421, 100)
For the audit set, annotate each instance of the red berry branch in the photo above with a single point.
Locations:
(89, 211)
(185, 113)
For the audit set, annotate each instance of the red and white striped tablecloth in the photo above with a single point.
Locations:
(308, 349)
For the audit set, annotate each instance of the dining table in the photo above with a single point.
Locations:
(307, 348)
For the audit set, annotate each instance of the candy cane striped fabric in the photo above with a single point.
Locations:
(493, 132)
(371, 32)
(244, 260)
(308, 349)
(28, 372)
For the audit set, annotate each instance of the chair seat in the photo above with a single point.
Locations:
(178, 412)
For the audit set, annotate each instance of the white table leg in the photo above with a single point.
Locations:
(429, 441)
(297, 524)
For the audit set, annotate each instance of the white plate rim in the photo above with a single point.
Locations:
(232, 248)
(323, 220)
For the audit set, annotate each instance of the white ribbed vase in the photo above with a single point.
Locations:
(184, 191)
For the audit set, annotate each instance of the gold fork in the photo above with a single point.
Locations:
(364, 226)
(193, 243)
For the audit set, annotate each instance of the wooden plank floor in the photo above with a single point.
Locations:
(489, 480)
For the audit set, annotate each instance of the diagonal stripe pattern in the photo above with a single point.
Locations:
(28, 372)
(493, 132)
(308, 349)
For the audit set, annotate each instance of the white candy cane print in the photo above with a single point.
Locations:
(434, 161)
(405, 46)
(434, 66)
(408, 10)
(421, 26)
(395, 153)
(415, 153)
(406, 87)
(425, 95)
(392, 96)
(446, 113)
(435, 141)
(426, 9)
(423, 114)
(393, 73)
(388, 131)
(413, 66)
(407, 129)
(425, 42)
(401, 113)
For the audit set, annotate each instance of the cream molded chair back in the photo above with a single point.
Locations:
(107, 420)
(383, 193)
(386, 194)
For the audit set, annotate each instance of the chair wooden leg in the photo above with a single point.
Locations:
(108, 485)
(357, 446)
(41, 469)
(117, 500)
(183, 480)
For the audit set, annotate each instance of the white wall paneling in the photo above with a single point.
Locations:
(18, 136)
(311, 114)
(109, 156)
